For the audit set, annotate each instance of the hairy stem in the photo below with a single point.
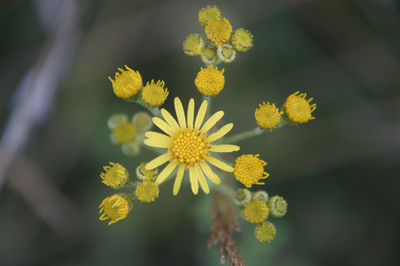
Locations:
(224, 225)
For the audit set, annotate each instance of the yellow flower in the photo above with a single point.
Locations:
(124, 132)
(154, 94)
(143, 174)
(218, 30)
(265, 232)
(278, 206)
(127, 84)
(249, 169)
(147, 191)
(193, 44)
(115, 208)
(208, 55)
(129, 134)
(208, 13)
(210, 81)
(116, 176)
(268, 115)
(298, 108)
(242, 40)
(255, 211)
(188, 146)
(226, 53)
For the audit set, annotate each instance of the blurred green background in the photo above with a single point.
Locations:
(340, 173)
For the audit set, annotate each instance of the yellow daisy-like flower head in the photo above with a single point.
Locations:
(154, 94)
(226, 53)
(116, 176)
(147, 191)
(115, 208)
(278, 206)
(189, 146)
(249, 170)
(210, 81)
(242, 40)
(267, 116)
(208, 13)
(127, 83)
(255, 211)
(209, 55)
(265, 232)
(124, 132)
(298, 109)
(193, 44)
(218, 30)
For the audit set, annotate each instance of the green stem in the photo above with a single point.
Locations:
(208, 99)
(244, 135)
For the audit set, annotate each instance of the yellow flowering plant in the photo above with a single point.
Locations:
(192, 146)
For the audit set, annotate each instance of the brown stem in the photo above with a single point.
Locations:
(224, 225)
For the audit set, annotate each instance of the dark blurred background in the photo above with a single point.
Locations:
(340, 173)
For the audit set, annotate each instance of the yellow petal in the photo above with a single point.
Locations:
(161, 124)
(165, 172)
(220, 164)
(180, 113)
(153, 142)
(200, 114)
(202, 180)
(190, 113)
(209, 173)
(158, 136)
(158, 161)
(178, 180)
(156, 139)
(169, 119)
(193, 181)
(220, 133)
(224, 148)
(212, 121)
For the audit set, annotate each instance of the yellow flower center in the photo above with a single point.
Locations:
(127, 84)
(193, 44)
(218, 31)
(208, 13)
(265, 232)
(154, 94)
(189, 146)
(124, 132)
(298, 108)
(242, 40)
(147, 191)
(210, 81)
(115, 208)
(255, 211)
(249, 169)
(267, 116)
(116, 176)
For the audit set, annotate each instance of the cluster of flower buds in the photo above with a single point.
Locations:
(128, 84)
(129, 133)
(296, 110)
(116, 176)
(223, 42)
(257, 207)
